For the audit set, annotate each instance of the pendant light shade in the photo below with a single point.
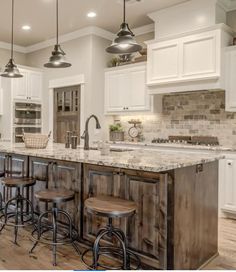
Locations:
(57, 59)
(124, 43)
(11, 70)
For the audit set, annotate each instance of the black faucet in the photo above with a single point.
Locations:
(85, 135)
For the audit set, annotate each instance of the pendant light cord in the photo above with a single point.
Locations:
(124, 19)
(12, 29)
(57, 11)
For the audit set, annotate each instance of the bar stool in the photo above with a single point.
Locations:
(110, 207)
(18, 211)
(60, 235)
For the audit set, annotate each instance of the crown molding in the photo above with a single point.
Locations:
(144, 29)
(227, 5)
(17, 48)
(91, 30)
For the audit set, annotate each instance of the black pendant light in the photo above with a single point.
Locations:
(125, 42)
(11, 70)
(57, 59)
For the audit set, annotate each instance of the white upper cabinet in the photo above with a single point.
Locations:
(125, 89)
(230, 75)
(20, 86)
(116, 91)
(35, 85)
(190, 62)
(29, 87)
(201, 56)
(163, 62)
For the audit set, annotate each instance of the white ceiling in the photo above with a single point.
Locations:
(40, 15)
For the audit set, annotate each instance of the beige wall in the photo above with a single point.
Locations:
(88, 57)
(19, 58)
(231, 19)
(145, 37)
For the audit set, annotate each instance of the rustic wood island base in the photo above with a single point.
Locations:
(176, 223)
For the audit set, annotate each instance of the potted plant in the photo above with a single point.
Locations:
(116, 133)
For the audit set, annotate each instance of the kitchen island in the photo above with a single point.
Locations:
(176, 224)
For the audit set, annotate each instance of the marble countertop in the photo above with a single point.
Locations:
(139, 159)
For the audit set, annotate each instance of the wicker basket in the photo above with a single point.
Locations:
(35, 140)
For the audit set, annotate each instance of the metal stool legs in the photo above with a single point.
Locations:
(18, 216)
(121, 251)
(42, 228)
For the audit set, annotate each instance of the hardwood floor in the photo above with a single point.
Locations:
(17, 257)
(227, 247)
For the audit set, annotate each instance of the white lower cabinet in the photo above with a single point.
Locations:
(227, 184)
(125, 89)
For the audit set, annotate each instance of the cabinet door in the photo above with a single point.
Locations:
(139, 99)
(41, 170)
(35, 86)
(116, 91)
(67, 175)
(16, 166)
(230, 79)
(3, 164)
(201, 56)
(229, 186)
(100, 181)
(146, 231)
(163, 62)
(20, 86)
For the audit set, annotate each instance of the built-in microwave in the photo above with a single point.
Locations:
(27, 118)
(27, 113)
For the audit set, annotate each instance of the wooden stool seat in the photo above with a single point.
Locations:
(18, 182)
(108, 206)
(55, 195)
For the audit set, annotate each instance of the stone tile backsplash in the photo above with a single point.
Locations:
(197, 113)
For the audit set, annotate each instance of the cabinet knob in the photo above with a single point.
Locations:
(230, 163)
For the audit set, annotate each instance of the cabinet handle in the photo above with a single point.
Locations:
(199, 168)
(230, 163)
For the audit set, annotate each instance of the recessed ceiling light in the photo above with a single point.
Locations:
(91, 14)
(26, 27)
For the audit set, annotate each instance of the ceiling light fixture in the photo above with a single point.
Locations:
(91, 14)
(124, 43)
(57, 59)
(26, 27)
(11, 70)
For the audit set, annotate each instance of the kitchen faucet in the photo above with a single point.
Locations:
(85, 135)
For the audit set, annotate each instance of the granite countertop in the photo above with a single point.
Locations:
(217, 148)
(139, 159)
